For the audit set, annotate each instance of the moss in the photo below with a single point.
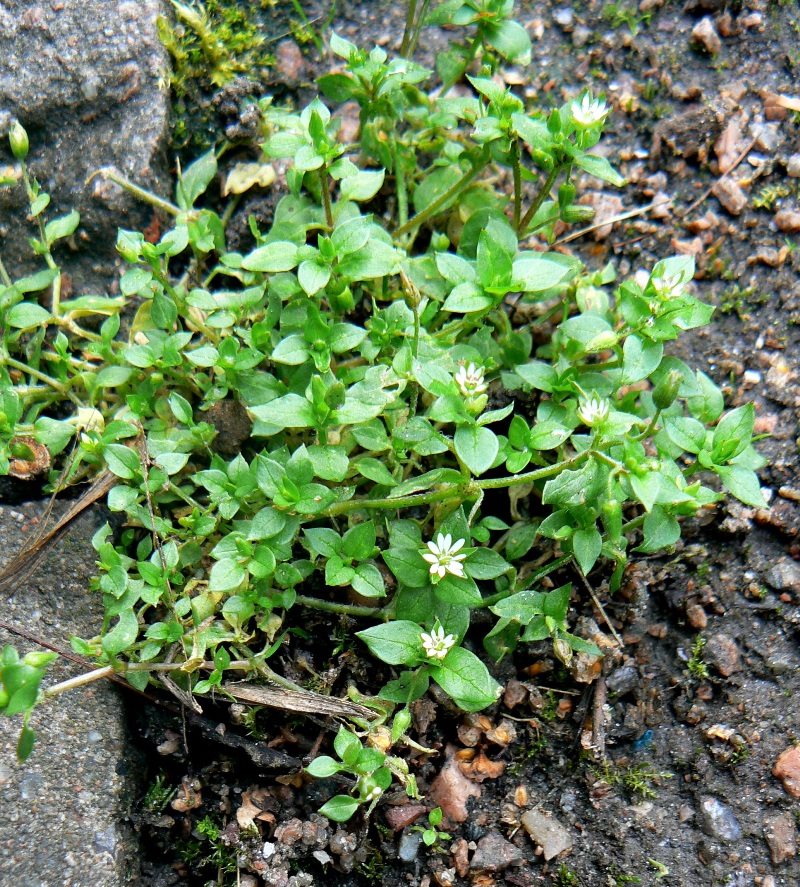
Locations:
(210, 45)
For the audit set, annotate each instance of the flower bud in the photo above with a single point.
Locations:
(38, 658)
(666, 390)
(563, 651)
(575, 214)
(18, 139)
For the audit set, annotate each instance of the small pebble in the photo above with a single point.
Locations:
(408, 847)
(788, 221)
(787, 769)
(781, 836)
(730, 195)
(547, 832)
(721, 652)
(752, 377)
(706, 35)
(793, 166)
(718, 821)
(564, 18)
(495, 854)
(94, 736)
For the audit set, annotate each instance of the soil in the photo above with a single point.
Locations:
(685, 794)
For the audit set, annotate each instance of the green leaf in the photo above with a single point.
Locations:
(511, 40)
(458, 592)
(466, 680)
(172, 463)
(289, 411)
(534, 274)
(467, 297)
(195, 179)
(122, 636)
(520, 540)
(547, 435)
(323, 766)
(520, 607)
(640, 358)
(291, 351)
(660, 530)
(485, 563)
(62, 227)
(27, 315)
(376, 471)
(743, 484)
(556, 603)
(410, 686)
(226, 575)
(324, 541)
(362, 185)
(586, 546)
(538, 375)
(340, 808)
(477, 447)
(122, 461)
(368, 581)
(733, 433)
(345, 337)
(687, 433)
(313, 276)
(281, 255)
(397, 643)
(358, 542)
(27, 738)
(598, 167)
(330, 462)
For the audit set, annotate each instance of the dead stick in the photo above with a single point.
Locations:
(599, 719)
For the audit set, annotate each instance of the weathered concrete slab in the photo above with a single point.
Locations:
(85, 79)
(62, 813)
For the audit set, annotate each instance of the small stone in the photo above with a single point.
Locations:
(730, 195)
(623, 680)
(547, 832)
(781, 837)
(788, 221)
(784, 575)
(717, 820)
(94, 737)
(460, 851)
(696, 617)
(408, 848)
(793, 166)
(706, 35)
(721, 652)
(767, 135)
(564, 18)
(606, 207)
(495, 854)
(401, 817)
(291, 64)
(787, 769)
(581, 36)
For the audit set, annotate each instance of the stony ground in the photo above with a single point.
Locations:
(702, 771)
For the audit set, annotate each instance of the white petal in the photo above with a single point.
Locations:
(435, 567)
(456, 569)
(445, 542)
(434, 548)
(456, 546)
(431, 558)
(440, 569)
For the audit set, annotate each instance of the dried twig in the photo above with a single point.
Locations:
(292, 700)
(20, 568)
(599, 719)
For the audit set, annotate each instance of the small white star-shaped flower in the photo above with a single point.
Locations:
(593, 411)
(588, 112)
(436, 644)
(443, 556)
(667, 287)
(470, 380)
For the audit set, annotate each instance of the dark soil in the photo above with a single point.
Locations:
(680, 727)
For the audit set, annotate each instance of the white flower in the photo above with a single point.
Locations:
(470, 380)
(593, 411)
(436, 644)
(443, 558)
(667, 287)
(587, 112)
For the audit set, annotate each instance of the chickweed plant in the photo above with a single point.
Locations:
(414, 449)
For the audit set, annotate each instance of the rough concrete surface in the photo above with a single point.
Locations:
(62, 813)
(85, 79)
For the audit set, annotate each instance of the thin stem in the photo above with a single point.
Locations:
(517, 172)
(400, 184)
(342, 609)
(418, 27)
(650, 427)
(4, 274)
(496, 483)
(79, 681)
(401, 502)
(109, 172)
(633, 524)
(412, 10)
(540, 199)
(531, 581)
(37, 374)
(326, 196)
(444, 199)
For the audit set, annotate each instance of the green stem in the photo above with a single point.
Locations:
(530, 582)
(37, 374)
(445, 198)
(496, 483)
(140, 193)
(517, 172)
(418, 27)
(540, 199)
(650, 427)
(400, 185)
(326, 196)
(450, 492)
(412, 9)
(341, 609)
(633, 524)
(4, 274)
